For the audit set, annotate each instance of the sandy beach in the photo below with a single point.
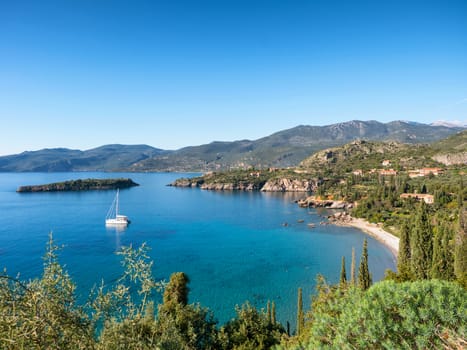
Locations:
(391, 241)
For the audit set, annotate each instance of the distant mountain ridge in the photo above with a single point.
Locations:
(281, 149)
(105, 158)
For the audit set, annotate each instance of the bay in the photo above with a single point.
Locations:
(234, 246)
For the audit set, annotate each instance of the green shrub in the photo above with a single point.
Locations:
(409, 315)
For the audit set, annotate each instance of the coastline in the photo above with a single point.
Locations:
(388, 239)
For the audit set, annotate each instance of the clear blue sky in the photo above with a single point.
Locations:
(82, 73)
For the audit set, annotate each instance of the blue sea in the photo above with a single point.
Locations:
(234, 246)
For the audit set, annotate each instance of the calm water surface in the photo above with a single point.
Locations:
(233, 246)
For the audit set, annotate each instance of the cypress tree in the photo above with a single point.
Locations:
(423, 189)
(403, 259)
(175, 293)
(268, 312)
(460, 195)
(460, 248)
(343, 278)
(273, 313)
(443, 259)
(300, 316)
(364, 277)
(422, 243)
(352, 268)
(438, 264)
(448, 252)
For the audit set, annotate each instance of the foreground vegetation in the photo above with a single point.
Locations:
(44, 314)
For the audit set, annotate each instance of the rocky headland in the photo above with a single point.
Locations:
(80, 185)
(282, 184)
(290, 185)
(316, 202)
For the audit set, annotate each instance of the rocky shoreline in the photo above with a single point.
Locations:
(79, 185)
(343, 218)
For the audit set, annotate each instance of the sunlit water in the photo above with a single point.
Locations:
(233, 246)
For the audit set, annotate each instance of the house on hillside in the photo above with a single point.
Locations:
(425, 171)
(388, 172)
(427, 198)
(386, 162)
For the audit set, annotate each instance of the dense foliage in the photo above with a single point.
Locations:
(251, 329)
(42, 314)
(410, 315)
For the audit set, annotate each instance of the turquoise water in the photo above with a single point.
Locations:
(233, 246)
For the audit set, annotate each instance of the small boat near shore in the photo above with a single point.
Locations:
(113, 218)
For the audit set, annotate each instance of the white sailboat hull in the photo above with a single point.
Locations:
(120, 220)
(113, 218)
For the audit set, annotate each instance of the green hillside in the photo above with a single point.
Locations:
(366, 155)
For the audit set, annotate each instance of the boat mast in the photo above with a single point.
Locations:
(116, 204)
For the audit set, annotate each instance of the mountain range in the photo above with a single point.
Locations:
(282, 149)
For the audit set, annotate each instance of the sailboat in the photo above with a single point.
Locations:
(113, 218)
